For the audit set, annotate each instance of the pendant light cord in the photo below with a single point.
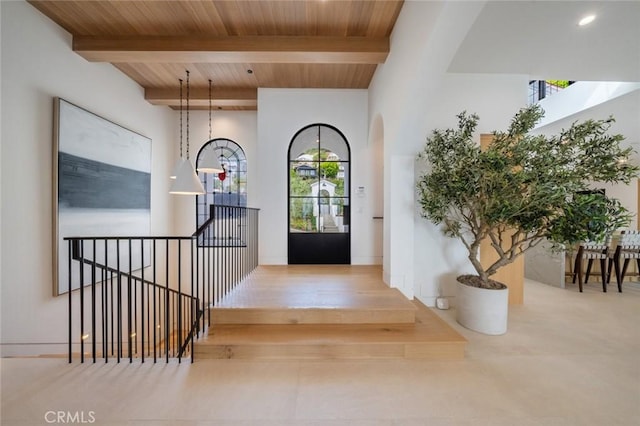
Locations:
(209, 109)
(180, 118)
(187, 114)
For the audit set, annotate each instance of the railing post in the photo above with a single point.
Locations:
(93, 301)
(179, 294)
(167, 305)
(69, 279)
(142, 285)
(206, 276)
(119, 304)
(193, 293)
(155, 309)
(105, 304)
(81, 290)
(129, 301)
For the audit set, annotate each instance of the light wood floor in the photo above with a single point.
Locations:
(568, 359)
(324, 312)
(315, 295)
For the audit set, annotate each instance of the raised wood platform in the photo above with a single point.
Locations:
(324, 312)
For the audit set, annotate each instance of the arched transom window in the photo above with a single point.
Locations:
(228, 188)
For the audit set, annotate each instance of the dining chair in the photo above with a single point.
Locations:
(628, 248)
(591, 251)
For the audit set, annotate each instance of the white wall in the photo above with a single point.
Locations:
(281, 113)
(625, 108)
(37, 65)
(413, 93)
(240, 127)
(582, 96)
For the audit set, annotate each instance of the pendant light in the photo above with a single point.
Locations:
(187, 181)
(181, 160)
(209, 162)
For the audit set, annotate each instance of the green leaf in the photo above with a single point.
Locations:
(535, 185)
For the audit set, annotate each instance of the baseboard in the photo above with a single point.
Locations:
(366, 260)
(273, 260)
(15, 350)
(427, 301)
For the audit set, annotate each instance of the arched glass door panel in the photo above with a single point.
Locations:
(319, 178)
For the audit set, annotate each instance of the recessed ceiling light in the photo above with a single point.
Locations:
(587, 20)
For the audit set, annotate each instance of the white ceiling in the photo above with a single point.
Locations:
(542, 39)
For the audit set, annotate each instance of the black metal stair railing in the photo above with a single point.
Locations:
(227, 251)
(149, 297)
(541, 89)
(127, 307)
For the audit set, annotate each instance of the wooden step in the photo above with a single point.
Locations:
(266, 306)
(428, 338)
(321, 312)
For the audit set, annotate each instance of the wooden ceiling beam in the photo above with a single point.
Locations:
(235, 49)
(199, 97)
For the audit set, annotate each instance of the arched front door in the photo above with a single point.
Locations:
(319, 214)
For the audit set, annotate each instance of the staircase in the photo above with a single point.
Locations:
(324, 312)
(124, 311)
(329, 224)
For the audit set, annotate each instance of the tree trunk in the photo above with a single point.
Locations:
(473, 258)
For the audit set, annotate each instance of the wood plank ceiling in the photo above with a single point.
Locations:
(239, 45)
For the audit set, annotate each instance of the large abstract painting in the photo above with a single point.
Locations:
(102, 175)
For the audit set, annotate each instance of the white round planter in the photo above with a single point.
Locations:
(482, 310)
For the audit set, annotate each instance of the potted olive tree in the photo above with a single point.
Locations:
(521, 190)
